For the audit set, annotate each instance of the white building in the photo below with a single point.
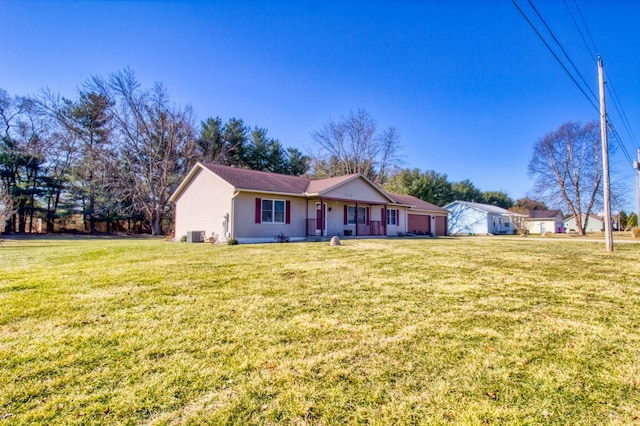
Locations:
(467, 218)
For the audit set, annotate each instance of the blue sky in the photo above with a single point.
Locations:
(468, 84)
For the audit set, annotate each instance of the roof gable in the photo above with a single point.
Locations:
(193, 174)
(355, 186)
(318, 186)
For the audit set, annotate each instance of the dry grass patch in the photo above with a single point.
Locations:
(440, 331)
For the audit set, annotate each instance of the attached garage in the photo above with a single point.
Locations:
(441, 225)
(423, 217)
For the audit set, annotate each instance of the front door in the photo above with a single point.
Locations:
(542, 228)
(321, 222)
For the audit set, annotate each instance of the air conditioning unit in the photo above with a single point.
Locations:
(195, 236)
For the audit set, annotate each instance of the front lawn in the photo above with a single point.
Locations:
(436, 331)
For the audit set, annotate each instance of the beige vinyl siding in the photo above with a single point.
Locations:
(357, 190)
(245, 226)
(202, 205)
(550, 225)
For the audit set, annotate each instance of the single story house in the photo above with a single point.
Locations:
(594, 224)
(466, 218)
(254, 206)
(544, 221)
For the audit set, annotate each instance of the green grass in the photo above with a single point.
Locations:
(433, 331)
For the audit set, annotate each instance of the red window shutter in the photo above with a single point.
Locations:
(383, 216)
(346, 215)
(287, 212)
(397, 217)
(366, 220)
(258, 210)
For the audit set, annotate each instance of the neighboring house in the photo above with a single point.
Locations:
(253, 206)
(467, 218)
(544, 221)
(595, 223)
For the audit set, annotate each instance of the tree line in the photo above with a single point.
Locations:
(435, 187)
(115, 153)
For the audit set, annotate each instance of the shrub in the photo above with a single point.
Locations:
(232, 242)
(281, 238)
(635, 231)
(183, 239)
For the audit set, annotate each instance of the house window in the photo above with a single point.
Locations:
(273, 211)
(351, 215)
(392, 217)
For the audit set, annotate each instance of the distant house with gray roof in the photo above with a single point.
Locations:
(595, 223)
(544, 222)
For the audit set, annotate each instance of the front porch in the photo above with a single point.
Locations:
(345, 218)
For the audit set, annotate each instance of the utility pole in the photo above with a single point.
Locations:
(608, 233)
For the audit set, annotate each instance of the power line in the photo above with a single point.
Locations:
(596, 107)
(610, 87)
(621, 111)
(593, 43)
(614, 133)
(592, 54)
(563, 50)
(612, 91)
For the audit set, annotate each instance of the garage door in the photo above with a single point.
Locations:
(441, 225)
(419, 224)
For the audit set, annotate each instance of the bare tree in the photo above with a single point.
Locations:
(566, 165)
(156, 141)
(519, 214)
(354, 144)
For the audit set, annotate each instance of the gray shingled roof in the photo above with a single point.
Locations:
(487, 208)
(260, 181)
(544, 214)
(416, 202)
